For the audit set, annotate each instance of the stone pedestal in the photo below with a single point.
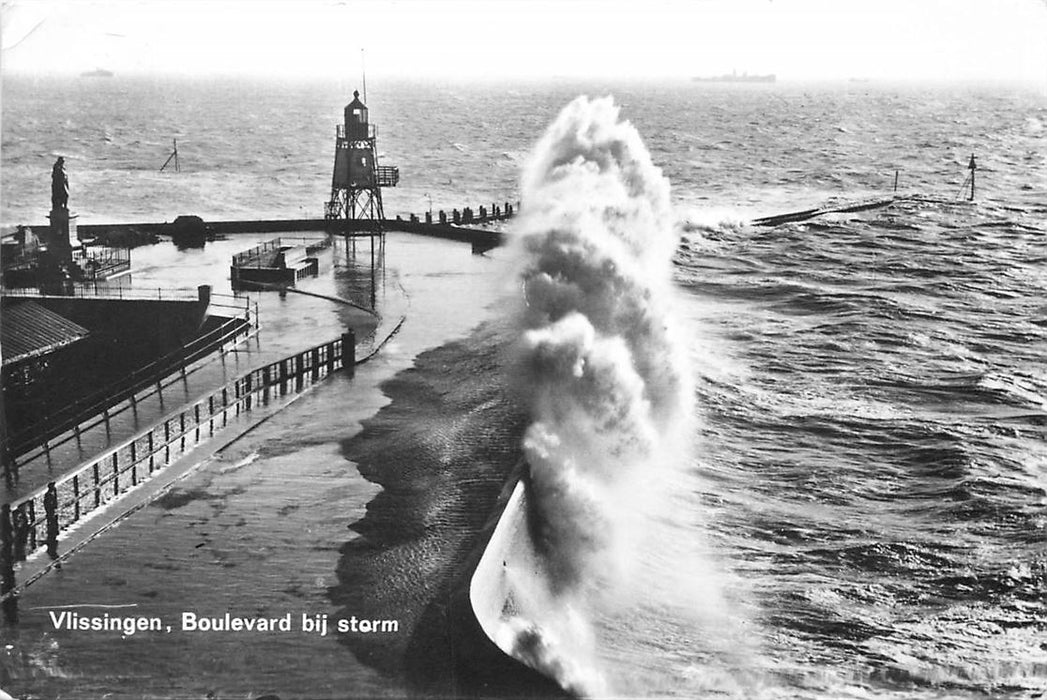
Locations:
(63, 224)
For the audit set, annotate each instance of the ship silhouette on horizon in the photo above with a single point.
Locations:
(97, 73)
(734, 77)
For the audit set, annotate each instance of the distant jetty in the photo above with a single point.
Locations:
(97, 73)
(736, 78)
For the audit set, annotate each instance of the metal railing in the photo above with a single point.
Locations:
(357, 132)
(388, 176)
(80, 416)
(107, 292)
(256, 257)
(94, 409)
(259, 256)
(138, 459)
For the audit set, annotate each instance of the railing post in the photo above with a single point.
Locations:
(196, 417)
(349, 352)
(315, 357)
(134, 463)
(116, 474)
(98, 487)
(76, 497)
(267, 379)
(152, 452)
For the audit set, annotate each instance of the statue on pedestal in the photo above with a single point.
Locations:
(59, 186)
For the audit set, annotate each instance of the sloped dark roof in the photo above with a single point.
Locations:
(28, 330)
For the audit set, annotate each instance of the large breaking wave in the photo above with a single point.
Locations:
(601, 366)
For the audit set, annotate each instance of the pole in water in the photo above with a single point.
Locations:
(173, 156)
(972, 167)
(895, 180)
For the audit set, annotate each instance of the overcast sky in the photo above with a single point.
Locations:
(796, 39)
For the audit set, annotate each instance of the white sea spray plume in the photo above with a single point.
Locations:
(607, 380)
(601, 365)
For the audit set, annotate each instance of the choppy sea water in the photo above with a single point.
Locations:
(867, 465)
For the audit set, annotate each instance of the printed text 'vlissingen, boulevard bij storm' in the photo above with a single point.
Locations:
(309, 623)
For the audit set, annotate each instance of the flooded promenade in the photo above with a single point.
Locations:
(255, 528)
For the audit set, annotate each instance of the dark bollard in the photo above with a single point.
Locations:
(349, 352)
(51, 518)
(428, 217)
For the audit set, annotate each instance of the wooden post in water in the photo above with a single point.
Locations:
(972, 166)
(895, 180)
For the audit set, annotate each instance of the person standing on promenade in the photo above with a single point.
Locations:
(51, 518)
(20, 524)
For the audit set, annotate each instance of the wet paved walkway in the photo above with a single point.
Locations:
(100, 520)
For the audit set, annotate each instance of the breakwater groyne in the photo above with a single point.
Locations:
(453, 225)
(851, 207)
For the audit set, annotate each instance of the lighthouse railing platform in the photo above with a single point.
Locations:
(359, 132)
(388, 176)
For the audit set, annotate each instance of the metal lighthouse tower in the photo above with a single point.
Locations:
(356, 186)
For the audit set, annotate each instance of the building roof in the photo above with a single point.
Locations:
(27, 330)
